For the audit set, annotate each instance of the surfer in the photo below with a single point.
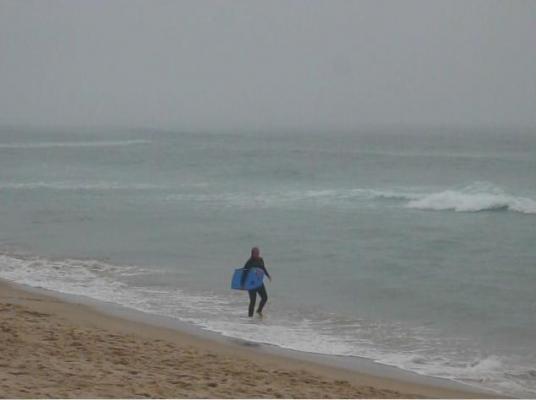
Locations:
(256, 261)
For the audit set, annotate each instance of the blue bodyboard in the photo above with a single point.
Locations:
(253, 279)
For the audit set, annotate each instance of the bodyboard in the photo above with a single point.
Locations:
(253, 280)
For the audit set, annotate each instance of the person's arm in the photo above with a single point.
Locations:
(247, 266)
(263, 267)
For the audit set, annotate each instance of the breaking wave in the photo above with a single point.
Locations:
(476, 197)
(480, 196)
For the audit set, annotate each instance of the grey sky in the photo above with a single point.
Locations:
(267, 64)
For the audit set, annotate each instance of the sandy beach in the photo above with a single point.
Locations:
(54, 348)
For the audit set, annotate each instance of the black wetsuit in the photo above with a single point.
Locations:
(256, 263)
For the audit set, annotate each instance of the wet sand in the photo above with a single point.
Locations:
(50, 347)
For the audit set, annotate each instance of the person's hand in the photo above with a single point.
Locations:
(270, 278)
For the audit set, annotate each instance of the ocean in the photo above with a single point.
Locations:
(414, 248)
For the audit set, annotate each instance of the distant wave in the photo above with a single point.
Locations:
(480, 196)
(289, 198)
(77, 186)
(98, 143)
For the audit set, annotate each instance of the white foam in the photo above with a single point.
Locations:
(394, 194)
(78, 277)
(473, 198)
(96, 143)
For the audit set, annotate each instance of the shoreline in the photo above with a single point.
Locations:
(284, 373)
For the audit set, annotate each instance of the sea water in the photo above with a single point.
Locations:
(415, 248)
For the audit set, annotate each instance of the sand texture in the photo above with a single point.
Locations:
(51, 348)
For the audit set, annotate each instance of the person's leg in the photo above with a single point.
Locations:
(264, 298)
(252, 299)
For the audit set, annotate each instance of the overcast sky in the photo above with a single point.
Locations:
(209, 65)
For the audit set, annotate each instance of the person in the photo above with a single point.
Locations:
(256, 261)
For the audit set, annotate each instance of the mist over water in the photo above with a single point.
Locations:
(414, 250)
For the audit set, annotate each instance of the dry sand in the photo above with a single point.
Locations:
(53, 348)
